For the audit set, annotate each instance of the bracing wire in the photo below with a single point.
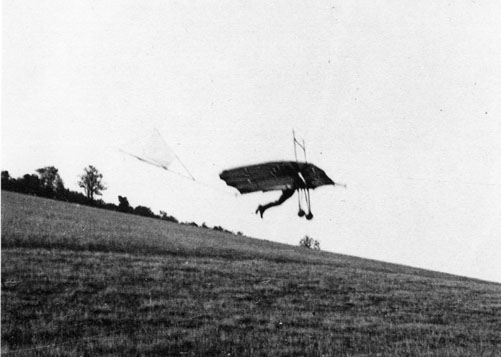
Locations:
(190, 177)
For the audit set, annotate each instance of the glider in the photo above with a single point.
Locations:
(285, 176)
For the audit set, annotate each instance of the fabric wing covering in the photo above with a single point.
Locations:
(153, 150)
(277, 175)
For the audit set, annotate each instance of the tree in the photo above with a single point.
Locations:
(91, 182)
(50, 179)
(5, 176)
(310, 243)
(123, 205)
(6, 180)
(30, 184)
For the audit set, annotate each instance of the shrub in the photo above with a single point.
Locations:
(123, 205)
(310, 243)
(164, 216)
(143, 211)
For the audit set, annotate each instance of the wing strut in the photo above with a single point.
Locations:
(300, 191)
(296, 144)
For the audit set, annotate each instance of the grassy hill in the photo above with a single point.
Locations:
(83, 281)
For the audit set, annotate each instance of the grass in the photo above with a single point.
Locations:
(84, 281)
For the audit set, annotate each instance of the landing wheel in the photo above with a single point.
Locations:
(301, 213)
(309, 216)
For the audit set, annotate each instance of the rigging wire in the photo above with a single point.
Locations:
(190, 178)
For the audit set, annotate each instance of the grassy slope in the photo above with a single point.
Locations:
(84, 281)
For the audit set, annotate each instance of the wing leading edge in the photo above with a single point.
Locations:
(278, 175)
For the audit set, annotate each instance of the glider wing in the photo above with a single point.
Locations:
(279, 175)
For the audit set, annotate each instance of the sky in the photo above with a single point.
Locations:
(400, 100)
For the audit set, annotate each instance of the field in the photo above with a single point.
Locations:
(82, 281)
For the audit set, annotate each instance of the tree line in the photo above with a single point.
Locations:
(47, 182)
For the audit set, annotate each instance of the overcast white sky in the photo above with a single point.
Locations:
(398, 99)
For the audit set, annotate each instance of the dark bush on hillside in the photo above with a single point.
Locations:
(5, 175)
(75, 197)
(164, 216)
(31, 184)
(143, 211)
(105, 205)
(221, 229)
(310, 243)
(124, 206)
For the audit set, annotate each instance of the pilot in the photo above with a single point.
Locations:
(298, 183)
(286, 194)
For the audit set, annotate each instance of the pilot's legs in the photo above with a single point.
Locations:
(286, 194)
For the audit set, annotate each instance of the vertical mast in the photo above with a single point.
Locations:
(297, 143)
(294, 142)
(304, 150)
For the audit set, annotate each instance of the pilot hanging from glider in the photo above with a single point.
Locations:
(286, 176)
(299, 184)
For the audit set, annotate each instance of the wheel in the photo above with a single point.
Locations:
(309, 216)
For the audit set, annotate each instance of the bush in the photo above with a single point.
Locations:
(310, 243)
(123, 205)
(164, 216)
(143, 211)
